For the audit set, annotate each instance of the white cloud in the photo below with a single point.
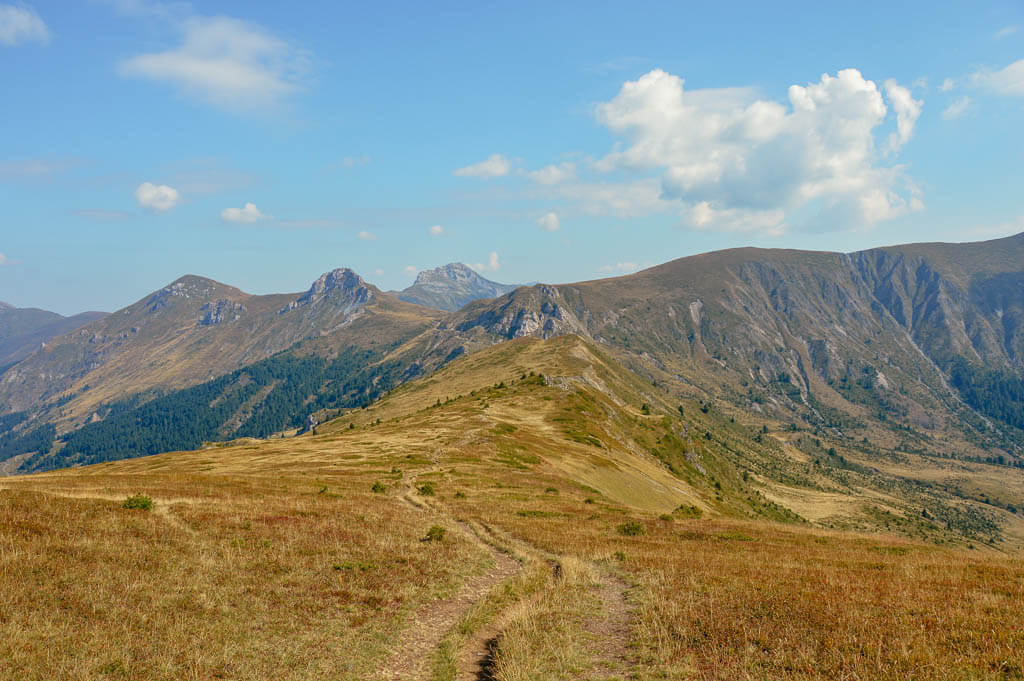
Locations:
(247, 214)
(410, 270)
(549, 222)
(1006, 32)
(553, 174)
(366, 236)
(159, 198)
(493, 263)
(627, 199)
(907, 110)
(226, 62)
(379, 272)
(436, 230)
(4, 260)
(21, 24)
(753, 162)
(620, 268)
(702, 216)
(947, 85)
(957, 108)
(494, 165)
(1008, 81)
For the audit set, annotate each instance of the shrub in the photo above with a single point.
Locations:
(426, 489)
(688, 511)
(460, 494)
(633, 528)
(138, 501)
(378, 488)
(435, 533)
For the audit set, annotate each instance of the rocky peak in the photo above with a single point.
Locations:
(455, 271)
(341, 285)
(451, 286)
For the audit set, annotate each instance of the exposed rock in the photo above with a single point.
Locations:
(451, 287)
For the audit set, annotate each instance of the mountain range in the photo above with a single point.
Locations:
(893, 355)
(23, 330)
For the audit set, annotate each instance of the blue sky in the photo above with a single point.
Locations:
(261, 144)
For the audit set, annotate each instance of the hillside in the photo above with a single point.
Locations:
(533, 510)
(907, 346)
(901, 352)
(190, 331)
(22, 330)
(450, 287)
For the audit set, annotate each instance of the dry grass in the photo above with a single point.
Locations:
(276, 560)
(242, 578)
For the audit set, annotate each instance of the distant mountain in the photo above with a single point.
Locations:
(23, 330)
(909, 349)
(450, 287)
(194, 330)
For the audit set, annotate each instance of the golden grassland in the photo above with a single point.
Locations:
(276, 559)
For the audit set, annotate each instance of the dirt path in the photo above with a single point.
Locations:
(413, 653)
(612, 629)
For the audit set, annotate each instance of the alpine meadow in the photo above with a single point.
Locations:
(717, 427)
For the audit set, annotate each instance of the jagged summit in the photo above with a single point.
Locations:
(451, 286)
(341, 285)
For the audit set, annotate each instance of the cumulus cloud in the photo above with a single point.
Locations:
(494, 165)
(957, 108)
(410, 270)
(907, 111)
(436, 230)
(549, 222)
(20, 24)
(159, 198)
(553, 174)
(493, 263)
(366, 236)
(247, 214)
(1008, 81)
(226, 62)
(735, 161)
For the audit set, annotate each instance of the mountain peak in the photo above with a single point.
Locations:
(341, 284)
(451, 286)
(454, 271)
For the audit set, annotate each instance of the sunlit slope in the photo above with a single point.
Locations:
(191, 331)
(564, 407)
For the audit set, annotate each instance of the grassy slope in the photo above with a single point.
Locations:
(280, 545)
